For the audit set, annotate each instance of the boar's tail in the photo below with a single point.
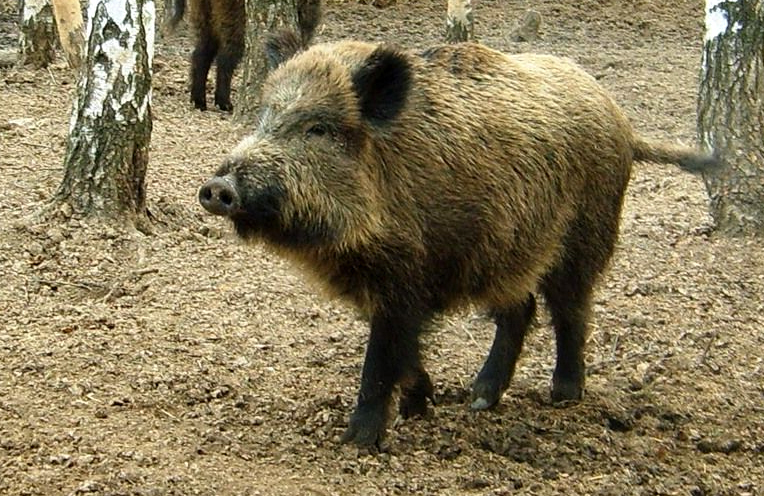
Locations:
(686, 158)
(308, 19)
(178, 10)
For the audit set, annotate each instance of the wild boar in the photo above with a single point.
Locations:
(411, 184)
(219, 28)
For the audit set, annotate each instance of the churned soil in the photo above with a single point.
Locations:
(184, 362)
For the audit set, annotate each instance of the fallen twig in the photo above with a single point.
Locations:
(82, 285)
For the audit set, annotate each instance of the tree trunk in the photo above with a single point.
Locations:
(263, 16)
(731, 113)
(37, 33)
(69, 23)
(459, 21)
(108, 149)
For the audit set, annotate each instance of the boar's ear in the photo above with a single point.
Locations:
(281, 46)
(382, 84)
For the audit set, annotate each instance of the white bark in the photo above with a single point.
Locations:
(460, 10)
(110, 126)
(114, 59)
(32, 9)
(459, 21)
(716, 19)
(37, 33)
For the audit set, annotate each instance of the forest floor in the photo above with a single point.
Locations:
(185, 362)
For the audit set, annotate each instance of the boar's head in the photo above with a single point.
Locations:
(310, 173)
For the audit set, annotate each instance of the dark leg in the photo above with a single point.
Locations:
(201, 61)
(568, 287)
(416, 389)
(511, 325)
(392, 351)
(228, 58)
(568, 293)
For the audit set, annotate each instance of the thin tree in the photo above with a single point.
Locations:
(108, 149)
(731, 113)
(68, 17)
(37, 33)
(459, 21)
(263, 17)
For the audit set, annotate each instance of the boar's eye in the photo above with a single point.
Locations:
(317, 130)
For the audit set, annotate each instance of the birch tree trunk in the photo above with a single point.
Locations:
(731, 113)
(459, 21)
(263, 16)
(108, 148)
(69, 23)
(37, 33)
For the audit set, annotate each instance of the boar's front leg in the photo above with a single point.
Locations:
(511, 325)
(392, 356)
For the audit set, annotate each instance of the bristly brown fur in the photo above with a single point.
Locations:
(410, 184)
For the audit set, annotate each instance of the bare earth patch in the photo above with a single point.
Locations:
(183, 362)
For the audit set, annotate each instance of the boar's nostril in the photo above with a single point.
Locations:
(219, 196)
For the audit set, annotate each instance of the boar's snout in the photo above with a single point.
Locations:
(219, 196)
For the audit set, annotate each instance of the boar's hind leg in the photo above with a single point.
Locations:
(392, 354)
(568, 290)
(568, 287)
(511, 326)
(228, 58)
(201, 61)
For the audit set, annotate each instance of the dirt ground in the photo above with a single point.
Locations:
(184, 362)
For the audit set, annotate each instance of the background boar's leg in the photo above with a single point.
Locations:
(494, 377)
(201, 61)
(392, 355)
(228, 58)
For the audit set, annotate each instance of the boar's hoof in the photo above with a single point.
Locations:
(365, 429)
(219, 196)
(481, 404)
(224, 105)
(485, 394)
(413, 405)
(484, 398)
(567, 390)
(414, 396)
(199, 104)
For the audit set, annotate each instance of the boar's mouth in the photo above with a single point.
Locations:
(259, 212)
(262, 216)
